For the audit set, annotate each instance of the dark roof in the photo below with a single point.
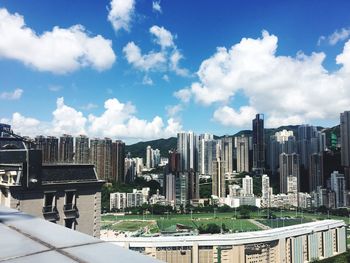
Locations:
(7, 143)
(52, 173)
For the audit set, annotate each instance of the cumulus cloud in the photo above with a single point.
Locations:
(146, 62)
(156, 7)
(163, 37)
(118, 120)
(24, 125)
(59, 51)
(11, 95)
(287, 89)
(174, 64)
(120, 14)
(166, 59)
(229, 117)
(183, 94)
(337, 36)
(66, 119)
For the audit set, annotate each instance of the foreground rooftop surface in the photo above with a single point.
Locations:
(24, 238)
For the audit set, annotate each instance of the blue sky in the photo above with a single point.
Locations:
(45, 88)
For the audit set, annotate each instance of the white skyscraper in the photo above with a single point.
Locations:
(149, 157)
(265, 191)
(292, 184)
(247, 185)
(117, 201)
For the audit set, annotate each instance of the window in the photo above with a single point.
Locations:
(70, 200)
(49, 202)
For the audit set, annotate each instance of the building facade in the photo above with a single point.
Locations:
(66, 194)
(293, 244)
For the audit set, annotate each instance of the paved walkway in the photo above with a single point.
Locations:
(258, 224)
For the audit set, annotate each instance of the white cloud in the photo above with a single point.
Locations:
(166, 59)
(227, 116)
(150, 61)
(59, 51)
(67, 119)
(23, 125)
(174, 64)
(156, 6)
(11, 95)
(337, 36)
(118, 120)
(173, 110)
(147, 80)
(183, 94)
(287, 89)
(163, 37)
(120, 14)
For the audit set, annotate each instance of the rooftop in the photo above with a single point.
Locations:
(25, 238)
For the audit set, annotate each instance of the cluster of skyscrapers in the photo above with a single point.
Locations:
(108, 156)
(297, 161)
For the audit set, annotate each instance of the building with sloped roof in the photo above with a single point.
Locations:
(66, 194)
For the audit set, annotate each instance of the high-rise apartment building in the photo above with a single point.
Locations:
(265, 191)
(288, 166)
(118, 163)
(338, 186)
(187, 147)
(149, 157)
(281, 142)
(242, 154)
(345, 145)
(206, 153)
(49, 148)
(101, 157)
(258, 143)
(316, 171)
(170, 188)
(81, 149)
(117, 201)
(218, 179)
(130, 169)
(227, 150)
(247, 186)
(66, 152)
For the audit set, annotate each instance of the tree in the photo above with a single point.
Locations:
(244, 213)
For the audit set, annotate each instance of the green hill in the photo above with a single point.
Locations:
(164, 145)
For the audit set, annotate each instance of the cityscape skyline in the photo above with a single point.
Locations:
(146, 53)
